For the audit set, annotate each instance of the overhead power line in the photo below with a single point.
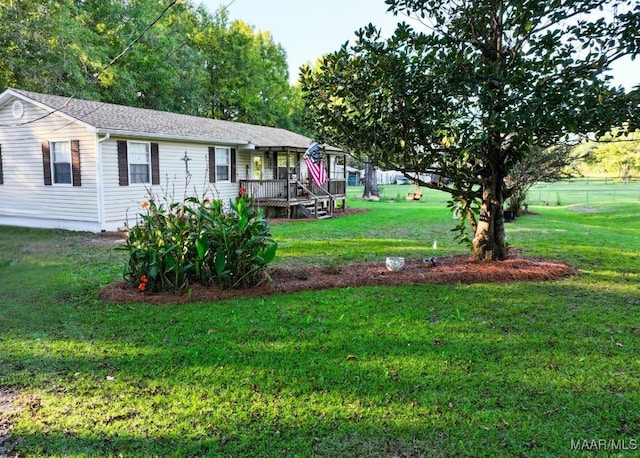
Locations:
(138, 38)
(97, 75)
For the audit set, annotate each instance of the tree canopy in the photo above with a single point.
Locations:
(613, 155)
(474, 91)
(247, 77)
(190, 61)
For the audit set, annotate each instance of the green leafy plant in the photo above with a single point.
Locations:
(157, 250)
(240, 245)
(198, 241)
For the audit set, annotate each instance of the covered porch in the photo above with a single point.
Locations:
(284, 187)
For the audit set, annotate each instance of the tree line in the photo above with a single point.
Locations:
(190, 61)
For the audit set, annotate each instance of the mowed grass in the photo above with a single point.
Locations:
(486, 370)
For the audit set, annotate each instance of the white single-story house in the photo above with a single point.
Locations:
(84, 165)
(386, 176)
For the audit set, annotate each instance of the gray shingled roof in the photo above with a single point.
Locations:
(113, 118)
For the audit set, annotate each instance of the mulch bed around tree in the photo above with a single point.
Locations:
(447, 270)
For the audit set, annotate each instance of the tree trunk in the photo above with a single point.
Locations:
(370, 182)
(489, 243)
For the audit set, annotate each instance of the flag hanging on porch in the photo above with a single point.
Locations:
(315, 164)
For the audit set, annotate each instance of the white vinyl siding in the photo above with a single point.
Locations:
(25, 199)
(124, 202)
(24, 196)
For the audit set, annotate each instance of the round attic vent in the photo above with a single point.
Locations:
(18, 109)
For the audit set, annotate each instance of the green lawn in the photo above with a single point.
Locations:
(524, 369)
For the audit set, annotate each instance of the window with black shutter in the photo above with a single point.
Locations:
(61, 162)
(138, 162)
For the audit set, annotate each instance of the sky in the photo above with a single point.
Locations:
(308, 29)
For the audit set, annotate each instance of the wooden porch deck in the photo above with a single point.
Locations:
(293, 197)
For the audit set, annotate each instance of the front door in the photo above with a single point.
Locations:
(257, 166)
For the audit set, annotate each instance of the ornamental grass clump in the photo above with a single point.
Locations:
(197, 241)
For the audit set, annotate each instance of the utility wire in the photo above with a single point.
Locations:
(227, 5)
(100, 105)
(109, 65)
(138, 38)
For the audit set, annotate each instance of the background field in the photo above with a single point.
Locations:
(486, 370)
(565, 192)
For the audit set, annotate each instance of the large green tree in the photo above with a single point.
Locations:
(474, 90)
(161, 68)
(247, 73)
(43, 46)
(75, 48)
(157, 54)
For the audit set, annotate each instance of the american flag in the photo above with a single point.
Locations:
(315, 165)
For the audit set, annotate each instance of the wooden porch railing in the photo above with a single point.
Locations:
(336, 187)
(265, 189)
(284, 189)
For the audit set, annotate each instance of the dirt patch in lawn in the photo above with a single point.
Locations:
(447, 270)
(6, 407)
(588, 209)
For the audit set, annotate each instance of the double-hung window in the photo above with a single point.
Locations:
(139, 162)
(223, 164)
(283, 171)
(61, 162)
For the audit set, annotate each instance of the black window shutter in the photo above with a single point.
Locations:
(212, 164)
(155, 164)
(46, 163)
(123, 164)
(233, 165)
(1, 173)
(75, 162)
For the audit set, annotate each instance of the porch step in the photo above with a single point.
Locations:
(308, 211)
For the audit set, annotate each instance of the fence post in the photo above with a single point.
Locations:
(587, 190)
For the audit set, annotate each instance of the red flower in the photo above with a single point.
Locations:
(242, 192)
(143, 283)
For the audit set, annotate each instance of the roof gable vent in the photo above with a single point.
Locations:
(17, 109)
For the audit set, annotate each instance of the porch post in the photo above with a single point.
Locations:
(344, 177)
(344, 169)
(288, 183)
